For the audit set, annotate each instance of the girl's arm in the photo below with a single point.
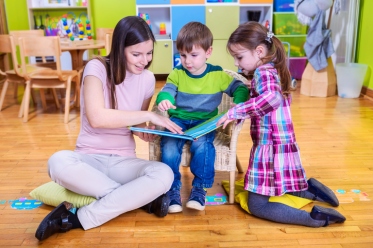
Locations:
(100, 117)
(268, 100)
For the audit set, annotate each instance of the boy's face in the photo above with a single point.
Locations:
(195, 60)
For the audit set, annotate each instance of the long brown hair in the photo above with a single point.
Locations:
(129, 31)
(252, 34)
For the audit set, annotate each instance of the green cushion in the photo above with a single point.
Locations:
(53, 194)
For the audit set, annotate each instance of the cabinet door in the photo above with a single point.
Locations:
(256, 1)
(181, 15)
(152, 1)
(162, 57)
(220, 55)
(187, 1)
(222, 20)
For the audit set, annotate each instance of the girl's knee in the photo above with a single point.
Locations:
(255, 203)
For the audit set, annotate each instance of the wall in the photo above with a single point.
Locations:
(364, 52)
(107, 13)
(16, 13)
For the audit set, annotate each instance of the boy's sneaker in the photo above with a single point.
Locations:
(175, 201)
(197, 199)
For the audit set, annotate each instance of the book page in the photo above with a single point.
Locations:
(190, 134)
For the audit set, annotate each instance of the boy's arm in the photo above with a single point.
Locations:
(164, 96)
(168, 91)
(241, 94)
(234, 88)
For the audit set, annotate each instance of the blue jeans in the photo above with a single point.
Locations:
(202, 151)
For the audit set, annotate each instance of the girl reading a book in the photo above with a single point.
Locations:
(275, 166)
(116, 92)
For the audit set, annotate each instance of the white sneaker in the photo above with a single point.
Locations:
(197, 199)
(194, 205)
(176, 208)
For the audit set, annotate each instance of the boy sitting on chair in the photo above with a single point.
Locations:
(191, 95)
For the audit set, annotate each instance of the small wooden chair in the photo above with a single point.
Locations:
(47, 46)
(16, 34)
(225, 143)
(31, 33)
(17, 75)
(102, 34)
(108, 40)
(105, 34)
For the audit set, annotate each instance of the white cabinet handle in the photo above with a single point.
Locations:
(166, 45)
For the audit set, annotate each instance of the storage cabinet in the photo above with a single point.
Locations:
(181, 15)
(222, 20)
(220, 56)
(221, 17)
(162, 57)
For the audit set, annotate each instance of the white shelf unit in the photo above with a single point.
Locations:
(221, 17)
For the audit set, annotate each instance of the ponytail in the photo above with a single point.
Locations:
(280, 62)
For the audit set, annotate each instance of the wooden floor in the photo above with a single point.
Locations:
(335, 136)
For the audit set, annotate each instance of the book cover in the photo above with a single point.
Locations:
(190, 134)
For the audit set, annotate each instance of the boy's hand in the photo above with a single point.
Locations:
(165, 105)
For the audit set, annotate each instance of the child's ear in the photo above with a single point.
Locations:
(209, 52)
(259, 50)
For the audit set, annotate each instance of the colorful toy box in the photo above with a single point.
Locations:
(283, 5)
(286, 23)
(296, 44)
(297, 66)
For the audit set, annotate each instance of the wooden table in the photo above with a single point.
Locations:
(78, 47)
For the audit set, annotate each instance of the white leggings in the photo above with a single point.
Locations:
(120, 184)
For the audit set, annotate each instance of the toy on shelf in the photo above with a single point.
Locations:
(146, 18)
(76, 28)
(87, 27)
(50, 30)
(162, 28)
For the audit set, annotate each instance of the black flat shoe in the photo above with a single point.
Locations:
(159, 206)
(328, 214)
(322, 191)
(55, 222)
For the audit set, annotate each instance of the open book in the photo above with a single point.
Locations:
(190, 134)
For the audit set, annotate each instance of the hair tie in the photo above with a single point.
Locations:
(269, 36)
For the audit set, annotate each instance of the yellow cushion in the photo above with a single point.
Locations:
(53, 194)
(241, 195)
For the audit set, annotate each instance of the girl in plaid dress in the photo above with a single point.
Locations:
(275, 166)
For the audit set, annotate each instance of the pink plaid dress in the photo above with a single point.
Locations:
(275, 166)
